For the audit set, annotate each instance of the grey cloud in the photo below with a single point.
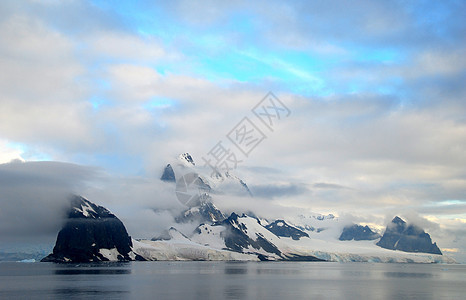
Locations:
(263, 170)
(272, 191)
(412, 217)
(34, 196)
(146, 205)
(74, 17)
(324, 185)
(449, 209)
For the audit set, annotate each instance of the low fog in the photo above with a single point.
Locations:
(34, 197)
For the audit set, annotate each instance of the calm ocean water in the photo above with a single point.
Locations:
(231, 280)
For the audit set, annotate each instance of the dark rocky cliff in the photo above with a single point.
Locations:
(89, 229)
(358, 233)
(168, 174)
(281, 228)
(400, 236)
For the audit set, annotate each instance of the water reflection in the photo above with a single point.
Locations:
(220, 280)
(86, 292)
(93, 269)
(235, 292)
(77, 281)
(353, 274)
(278, 271)
(232, 268)
(236, 270)
(79, 271)
(406, 275)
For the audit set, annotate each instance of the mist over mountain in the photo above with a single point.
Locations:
(203, 232)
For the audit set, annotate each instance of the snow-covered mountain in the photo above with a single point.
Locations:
(246, 236)
(281, 228)
(305, 237)
(240, 234)
(92, 233)
(205, 212)
(215, 181)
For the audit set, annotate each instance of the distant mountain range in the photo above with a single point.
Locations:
(92, 233)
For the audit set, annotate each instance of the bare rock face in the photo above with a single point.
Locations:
(281, 228)
(91, 233)
(168, 174)
(358, 233)
(400, 236)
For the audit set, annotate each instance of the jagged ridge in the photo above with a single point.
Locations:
(358, 233)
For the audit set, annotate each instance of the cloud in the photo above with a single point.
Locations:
(324, 185)
(39, 69)
(119, 46)
(8, 152)
(34, 197)
(145, 205)
(277, 191)
(445, 208)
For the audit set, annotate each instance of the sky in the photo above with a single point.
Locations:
(97, 96)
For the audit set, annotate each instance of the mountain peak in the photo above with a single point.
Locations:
(399, 236)
(186, 158)
(398, 220)
(83, 208)
(168, 174)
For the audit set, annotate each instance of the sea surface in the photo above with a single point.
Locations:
(231, 280)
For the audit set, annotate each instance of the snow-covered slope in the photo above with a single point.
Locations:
(360, 251)
(304, 237)
(93, 233)
(250, 236)
(246, 237)
(241, 234)
(205, 212)
(185, 250)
